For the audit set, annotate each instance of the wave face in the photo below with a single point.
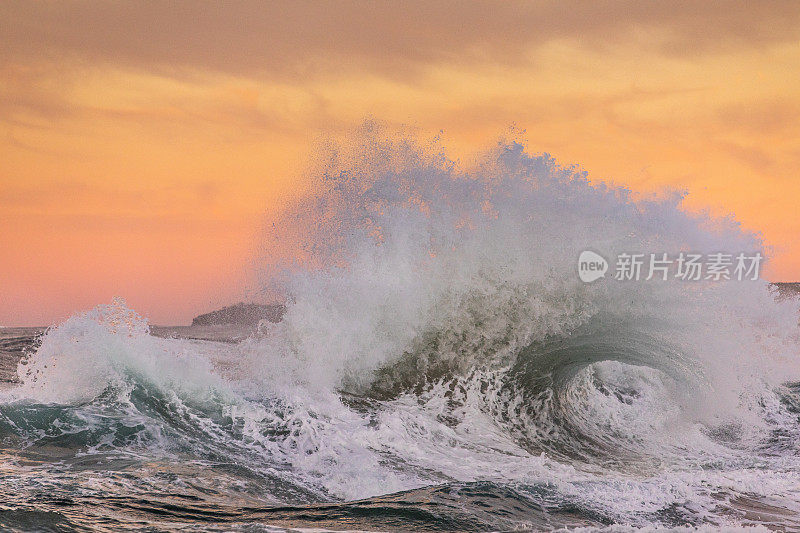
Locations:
(440, 366)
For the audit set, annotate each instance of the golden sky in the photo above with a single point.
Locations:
(142, 142)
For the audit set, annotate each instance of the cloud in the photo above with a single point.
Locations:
(304, 40)
(48, 48)
(771, 117)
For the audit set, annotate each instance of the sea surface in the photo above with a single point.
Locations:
(439, 367)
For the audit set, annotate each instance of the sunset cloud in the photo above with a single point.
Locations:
(306, 40)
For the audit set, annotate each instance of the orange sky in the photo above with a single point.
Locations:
(141, 143)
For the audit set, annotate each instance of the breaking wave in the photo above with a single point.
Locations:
(438, 340)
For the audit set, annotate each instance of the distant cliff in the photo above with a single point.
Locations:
(241, 314)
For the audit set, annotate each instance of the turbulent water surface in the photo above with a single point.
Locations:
(439, 367)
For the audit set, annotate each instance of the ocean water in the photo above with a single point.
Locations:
(440, 367)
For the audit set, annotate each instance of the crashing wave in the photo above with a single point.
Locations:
(436, 332)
